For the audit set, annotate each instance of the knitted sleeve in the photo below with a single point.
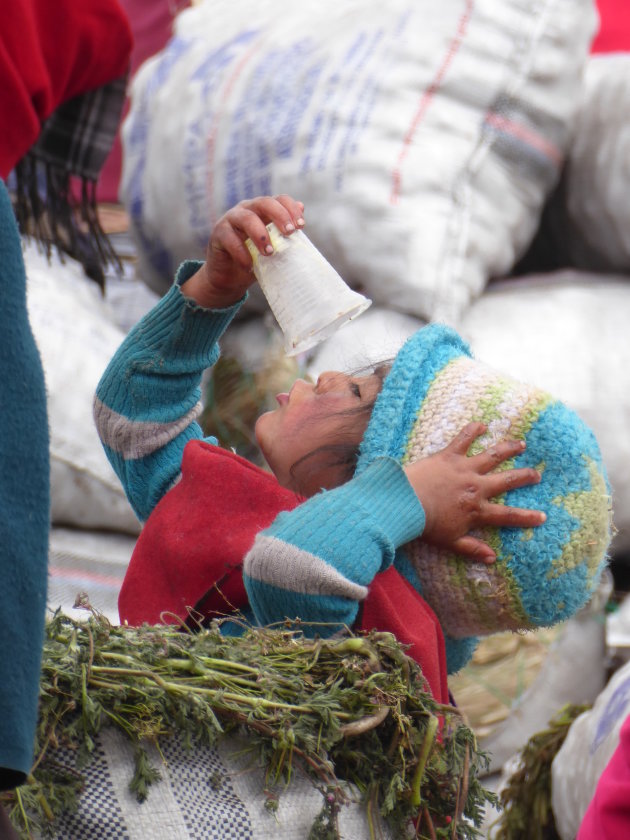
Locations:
(316, 562)
(148, 400)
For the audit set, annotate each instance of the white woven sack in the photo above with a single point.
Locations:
(76, 337)
(422, 137)
(592, 739)
(215, 794)
(594, 220)
(87, 562)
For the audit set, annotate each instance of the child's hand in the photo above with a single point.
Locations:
(227, 273)
(455, 491)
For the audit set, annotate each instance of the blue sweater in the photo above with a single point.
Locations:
(24, 510)
(314, 562)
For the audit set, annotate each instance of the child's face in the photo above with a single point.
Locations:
(313, 416)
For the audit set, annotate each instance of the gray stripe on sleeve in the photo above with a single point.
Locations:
(285, 566)
(137, 439)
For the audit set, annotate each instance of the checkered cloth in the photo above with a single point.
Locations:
(78, 136)
(215, 793)
(73, 143)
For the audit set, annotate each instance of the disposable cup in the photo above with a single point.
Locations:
(308, 298)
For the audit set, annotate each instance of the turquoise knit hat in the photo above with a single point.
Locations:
(542, 575)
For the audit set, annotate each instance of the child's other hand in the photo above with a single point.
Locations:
(227, 272)
(456, 491)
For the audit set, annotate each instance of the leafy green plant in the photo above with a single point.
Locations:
(526, 799)
(352, 708)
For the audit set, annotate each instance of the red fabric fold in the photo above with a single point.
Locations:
(393, 605)
(199, 533)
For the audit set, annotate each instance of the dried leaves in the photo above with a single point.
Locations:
(351, 708)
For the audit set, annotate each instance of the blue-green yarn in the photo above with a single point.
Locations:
(558, 443)
(558, 438)
(306, 607)
(459, 652)
(418, 361)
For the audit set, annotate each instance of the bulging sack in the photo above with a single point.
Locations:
(590, 219)
(76, 337)
(423, 139)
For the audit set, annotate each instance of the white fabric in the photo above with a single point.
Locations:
(212, 793)
(589, 745)
(573, 672)
(595, 220)
(422, 137)
(87, 561)
(75, 332)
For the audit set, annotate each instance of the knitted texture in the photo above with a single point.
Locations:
(24, 511)
(542, 575)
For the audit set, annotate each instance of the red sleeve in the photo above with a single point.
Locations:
(50, 52)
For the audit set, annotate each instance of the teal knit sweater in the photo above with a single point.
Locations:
(24, 510)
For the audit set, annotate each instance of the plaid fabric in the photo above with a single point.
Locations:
(78, 136)
(73, 143)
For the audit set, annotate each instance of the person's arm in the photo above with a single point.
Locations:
(316, 562)
(148, 400)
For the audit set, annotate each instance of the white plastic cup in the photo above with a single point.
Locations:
(308, 298)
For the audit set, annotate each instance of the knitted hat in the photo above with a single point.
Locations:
(542, 575)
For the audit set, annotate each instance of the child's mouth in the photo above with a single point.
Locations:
(282, 399)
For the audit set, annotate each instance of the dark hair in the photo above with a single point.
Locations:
(344, 456)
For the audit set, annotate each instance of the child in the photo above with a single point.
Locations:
(222, 534)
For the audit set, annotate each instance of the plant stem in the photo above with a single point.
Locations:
(429, 738)
(254, 702)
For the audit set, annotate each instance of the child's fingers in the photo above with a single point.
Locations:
(284, 211)
(474, 549)
(294, 208)
(497, 454)
(504, 516)
(226, 239)
(498, 483)
(246, 223)
(462, 441)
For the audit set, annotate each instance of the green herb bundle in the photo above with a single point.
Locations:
(353, 708)
(526, 798)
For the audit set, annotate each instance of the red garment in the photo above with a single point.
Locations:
(608, 814)
(201, 530)
(50, 51)
(614, 27)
